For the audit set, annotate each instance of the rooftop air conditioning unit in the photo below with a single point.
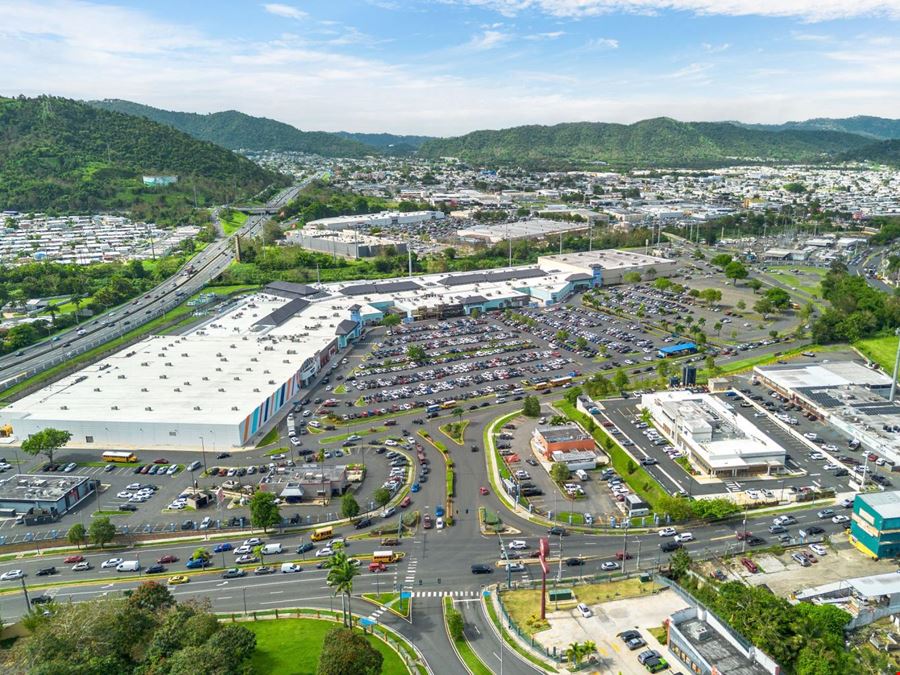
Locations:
(144, 389)
(145, 364)
(249, 369)
(148, 408)
(234, 407)
(63, 407)
(205, 378)
(218, 370)
(196, 407)
(113, 407)
(168, 364)
(121, 377)
(163, 377)
(255, 390)
(96, 388)
(178, 389)
(237, 378)
(253, 359)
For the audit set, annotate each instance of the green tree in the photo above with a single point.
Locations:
(741, 305)
(736, 271)
(201, 554)
(458, 412)
(151, 596)
(46, 441)
(531, 407)
(341, 572)
(631, 277)
(349, 506)
(236, 643)
(562, 335)
(763, 306)
(417, 353)
(620, 379)
(455, 624)
(680, 563)
(717, 326)
(264, 511)
(581, 342)
(345, 652)
(381, 496)
(663, 369)
(779, 297)
(101, 531)
(710, 295)
(721, 260)
(755, 284)
(77, 535)
(391, 320)
(560, 472)
(572, 394)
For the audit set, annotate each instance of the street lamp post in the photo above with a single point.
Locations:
(203, 450)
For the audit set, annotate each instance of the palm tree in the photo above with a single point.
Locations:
(340, 577)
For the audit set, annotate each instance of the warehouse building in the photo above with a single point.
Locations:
(875, 525)
(716, 441)
(533, 228)
(345, 243)
(384, 220)
(845, 394)
(609, 266)
(56, 495)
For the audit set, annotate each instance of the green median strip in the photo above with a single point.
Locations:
(463, 649)
(511, 641)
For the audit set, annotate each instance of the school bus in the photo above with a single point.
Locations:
(448, 404)
(119, 456)
(384, 557)
(541, 386)
(560, 381)
(322, 533)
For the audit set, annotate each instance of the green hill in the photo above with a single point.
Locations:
(236, 131)
(62, 155)
(390, 144)
(883, 152)
(875, 127)
(655, 142)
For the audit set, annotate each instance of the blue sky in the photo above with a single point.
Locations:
(445, 67)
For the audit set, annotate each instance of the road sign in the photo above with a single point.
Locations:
(486, 594)
(405, 595)
(367, 622)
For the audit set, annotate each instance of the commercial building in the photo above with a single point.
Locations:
(576, 459)
(223, 383)
(674, 351)
(716, 441)
(845, 394)
(384, 219)
(875, 525)
(307, 482)
(54, 494)
(533, 228)
(708, 646)
(563, 439)
(609, 266)
(345, 243)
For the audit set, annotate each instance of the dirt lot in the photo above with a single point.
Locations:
(784, 576)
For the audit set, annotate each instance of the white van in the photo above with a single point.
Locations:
(582, 474)
(193, 466)
(271, 549)
(128, 566)
(287, 568)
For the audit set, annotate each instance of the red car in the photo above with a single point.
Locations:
(161, 460)
(377, 567)
(622, 555)
(407, 500)
(426, 522)
(483, 490)
(74, 559)
(168, 558)
(743, 535)
(751, 566)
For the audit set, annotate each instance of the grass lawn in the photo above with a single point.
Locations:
(391, 601)
(881, 350)
(340, 389)
(270, 437)
(359, 432)
(577, 518)
(455, 431)
(234, 223)
(659, 633)
(807, 280)
(292, 647)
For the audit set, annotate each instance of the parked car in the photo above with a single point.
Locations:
(751, 566)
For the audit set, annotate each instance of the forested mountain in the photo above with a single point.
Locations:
(235, 130)
(655, 142)
(864, 125)
(391, 144)
(64, 155)
(883, 152)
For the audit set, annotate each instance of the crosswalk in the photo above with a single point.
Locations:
(445, 594)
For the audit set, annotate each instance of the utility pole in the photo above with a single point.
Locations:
(896, 368)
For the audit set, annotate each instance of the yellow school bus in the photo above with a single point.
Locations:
(322, 533)
(384, 557)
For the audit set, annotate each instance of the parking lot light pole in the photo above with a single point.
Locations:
(203, 450)
(896, 369)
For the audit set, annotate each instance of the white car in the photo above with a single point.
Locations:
(124, 494)
(12, 575)
(388, 512)
(81, 567)
(306, 413)
(112, 562)
(133, 486)
(840, 519)
(584, 610)
(517, 545)
(439, 523)
(684, 537)
(241, 550)
(253, 541)
(515, 567)
(810, 435)
(390, 442)
(324, 552)
(668, 532)
(609, 566)
(818, 549)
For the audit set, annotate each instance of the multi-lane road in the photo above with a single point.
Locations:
(205, 267)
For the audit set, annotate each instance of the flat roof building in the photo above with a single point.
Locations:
(564, 438)
(708, 646)
(609, 266)
(875, 524)
(55, 494)
(845, 394)
(717, 441)
(533, 228)
(867, 599)
(576, 459)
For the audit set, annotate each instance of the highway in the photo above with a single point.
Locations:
(63, 346)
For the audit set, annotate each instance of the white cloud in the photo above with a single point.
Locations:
(602, 43)
(285, 11)
(710, 48)
(812, 10)
(486, 40)
(536, 37)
